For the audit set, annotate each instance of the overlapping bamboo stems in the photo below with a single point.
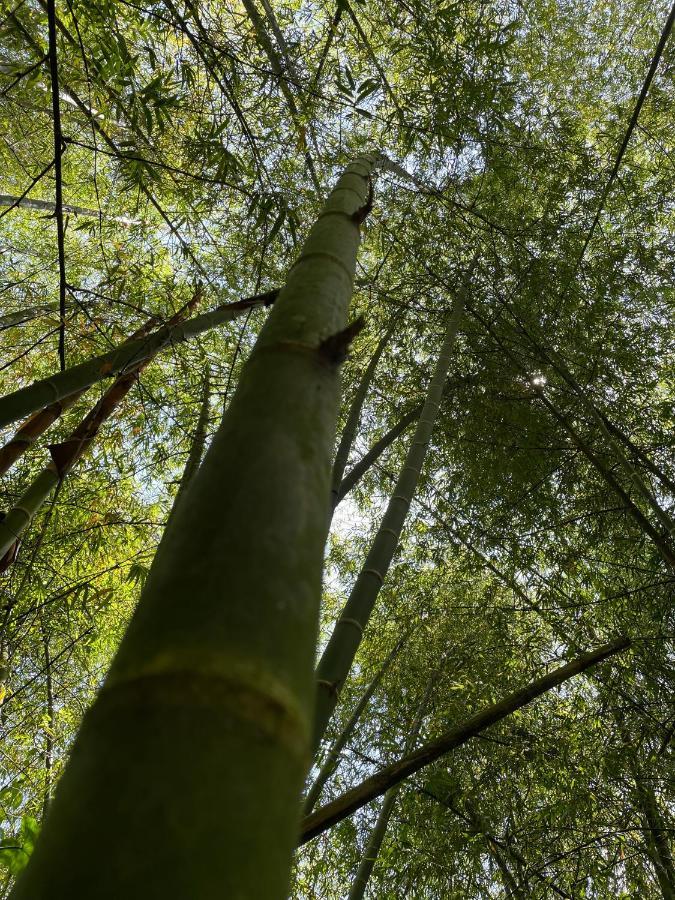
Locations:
(359, 469)
(613, 436)
(66, 454)
(661, 542)
(354, 416)
(333, 756)
(19, 316)
(379, 831)
(193, 757)
(32, 428)
(278, 69)
(121, 359)
(511, 881)
(338, 656)
(332, 813)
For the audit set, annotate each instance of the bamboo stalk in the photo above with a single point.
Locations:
(66, 454)
(377, 835)
(341, 649)
(333, 756)
(354, 416)
(121, 359)
(332, 813)
(193, 756)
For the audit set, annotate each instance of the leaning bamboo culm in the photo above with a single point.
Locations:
(193, 757)
(341, 649)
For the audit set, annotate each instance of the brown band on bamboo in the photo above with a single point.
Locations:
(353, 170)
(339, 190)
(244, 702)
(374, 572)
(331, 686)
(17, 509)
(55, 390)
(401, 497)
(337, 212)
(357, 625)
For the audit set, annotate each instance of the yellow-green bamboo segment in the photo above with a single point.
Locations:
(340, 651)
(192, 759)
(354, 416)
(332, 759)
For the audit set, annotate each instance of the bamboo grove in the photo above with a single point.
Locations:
(337, 543)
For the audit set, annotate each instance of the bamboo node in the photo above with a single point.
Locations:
(361, 214)
(354, 622)
(374, 572)
(334, 348)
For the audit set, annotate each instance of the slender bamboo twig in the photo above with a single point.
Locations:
(58, 178)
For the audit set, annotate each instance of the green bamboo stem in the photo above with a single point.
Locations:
(193, 757)
(630, 470)
(26, 435)
(359, 469)
(198, 442)
(339, 809)
(376, 837)
(333, 756)
(66, 454)
(21, 515)
(605, 427)
(19, 316)
(278, 69)
(655, 834)
(35, 396)
(662, 544)
(354, 416)
(341, 649)
(510, 882)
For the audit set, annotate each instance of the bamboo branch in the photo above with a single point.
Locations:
(49, 390)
